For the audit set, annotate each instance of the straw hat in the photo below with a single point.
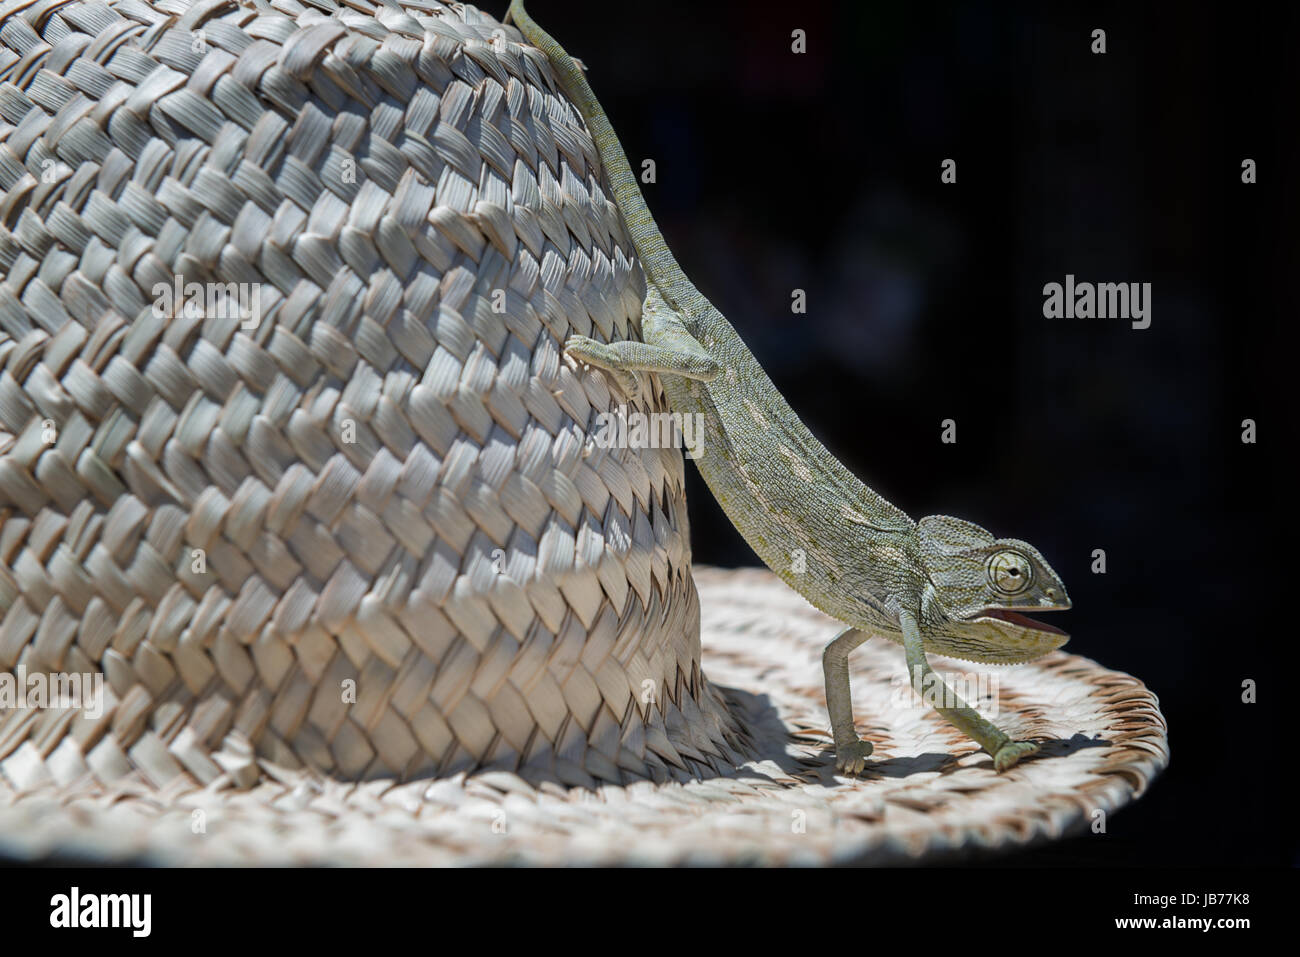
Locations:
(293, 473)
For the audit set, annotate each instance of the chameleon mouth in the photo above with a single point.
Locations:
(1022, 621)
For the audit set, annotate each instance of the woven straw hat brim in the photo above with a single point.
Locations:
(929, 795)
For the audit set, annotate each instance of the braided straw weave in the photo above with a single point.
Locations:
(384, 487)
(929, 794)
(360, 586)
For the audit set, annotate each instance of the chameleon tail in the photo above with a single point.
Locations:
(657, 261)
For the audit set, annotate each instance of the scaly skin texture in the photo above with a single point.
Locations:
(938, 585)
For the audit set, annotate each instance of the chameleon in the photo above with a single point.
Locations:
(938, 585)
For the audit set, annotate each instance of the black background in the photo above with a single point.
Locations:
(821, 171)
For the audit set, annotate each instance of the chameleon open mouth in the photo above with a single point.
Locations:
(1023, 621)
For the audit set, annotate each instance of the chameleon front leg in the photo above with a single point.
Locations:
(992, 739)
(850, 751)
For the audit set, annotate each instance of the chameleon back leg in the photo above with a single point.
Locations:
(668, 348)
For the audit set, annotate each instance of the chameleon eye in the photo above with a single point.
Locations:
(1010, 572)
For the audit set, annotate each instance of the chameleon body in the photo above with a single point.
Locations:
(938, 585)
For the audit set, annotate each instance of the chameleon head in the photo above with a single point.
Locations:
(979, 587)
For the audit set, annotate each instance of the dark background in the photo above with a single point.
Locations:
(821, 171)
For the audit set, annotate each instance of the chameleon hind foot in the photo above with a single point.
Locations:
(604, 356)
(593, 353)
(1011, 752)
(852, 758)
(685, 357)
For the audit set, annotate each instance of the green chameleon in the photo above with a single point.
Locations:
(939, 585)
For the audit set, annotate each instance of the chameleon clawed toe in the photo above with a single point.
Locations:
(851, 758)
(603, 356)
(1011, 752)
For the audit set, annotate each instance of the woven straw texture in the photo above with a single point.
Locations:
(928, 795)
(384, 488)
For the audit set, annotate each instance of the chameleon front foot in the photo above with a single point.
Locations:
(852, 758)
(1011, 752)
